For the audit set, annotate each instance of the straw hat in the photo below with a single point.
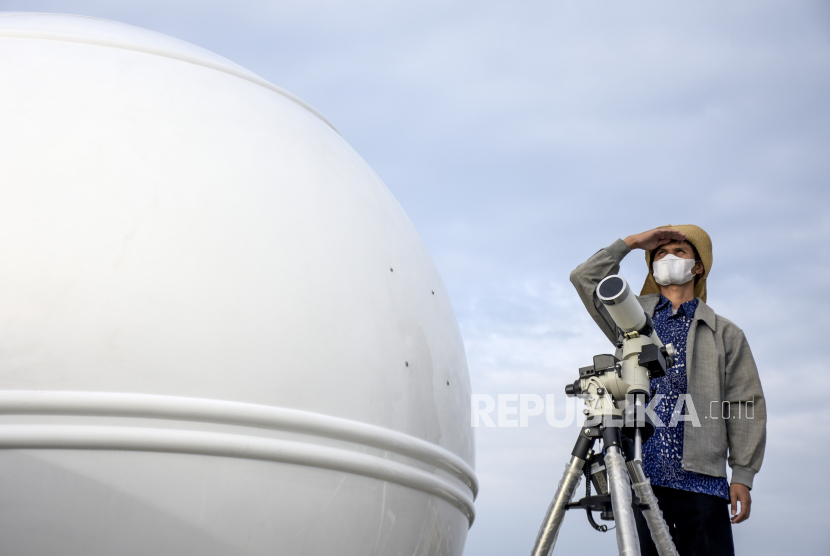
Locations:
(700, 239)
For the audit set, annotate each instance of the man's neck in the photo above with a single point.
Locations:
(679, 294)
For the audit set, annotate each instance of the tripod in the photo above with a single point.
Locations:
(617, 504)
(616, 394)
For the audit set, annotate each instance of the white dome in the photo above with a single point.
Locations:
(219, 332)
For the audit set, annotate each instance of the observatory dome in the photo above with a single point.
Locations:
(219, 332)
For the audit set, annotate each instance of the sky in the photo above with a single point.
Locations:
(521, 137)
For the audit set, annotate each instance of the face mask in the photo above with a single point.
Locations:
(673, 270)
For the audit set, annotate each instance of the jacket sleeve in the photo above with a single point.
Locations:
(746, 430)
(589, 274)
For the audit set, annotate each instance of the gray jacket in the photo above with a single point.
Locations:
(723, 381)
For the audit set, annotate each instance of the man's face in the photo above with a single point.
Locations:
(681, 250)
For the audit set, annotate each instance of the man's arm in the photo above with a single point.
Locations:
(747, 432)
(589, 274)
(606, 262)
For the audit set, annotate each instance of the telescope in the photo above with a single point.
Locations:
(616, 390)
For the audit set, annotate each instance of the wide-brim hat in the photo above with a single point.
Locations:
(702, 242)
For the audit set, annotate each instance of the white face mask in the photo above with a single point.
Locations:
(673, 270)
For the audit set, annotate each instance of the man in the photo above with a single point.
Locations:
(710, 403)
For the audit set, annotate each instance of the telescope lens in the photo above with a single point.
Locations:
(621, 303)
(611, 286)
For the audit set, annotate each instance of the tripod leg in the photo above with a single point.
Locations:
(556, 512)
(628, 543)
(654, 517)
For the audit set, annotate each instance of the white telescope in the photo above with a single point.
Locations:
(607, 387)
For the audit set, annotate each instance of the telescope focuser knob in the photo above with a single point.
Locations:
(670, 354)
(574, 389)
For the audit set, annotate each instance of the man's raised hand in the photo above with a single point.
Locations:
(653, 239)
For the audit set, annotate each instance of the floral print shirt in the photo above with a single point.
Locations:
(663, 452)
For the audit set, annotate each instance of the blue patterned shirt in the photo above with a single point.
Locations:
(663, 452)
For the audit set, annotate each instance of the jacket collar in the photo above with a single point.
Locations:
(706, 314)
(703, 313)
(649, 303)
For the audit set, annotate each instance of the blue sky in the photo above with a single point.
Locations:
(521, 137)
